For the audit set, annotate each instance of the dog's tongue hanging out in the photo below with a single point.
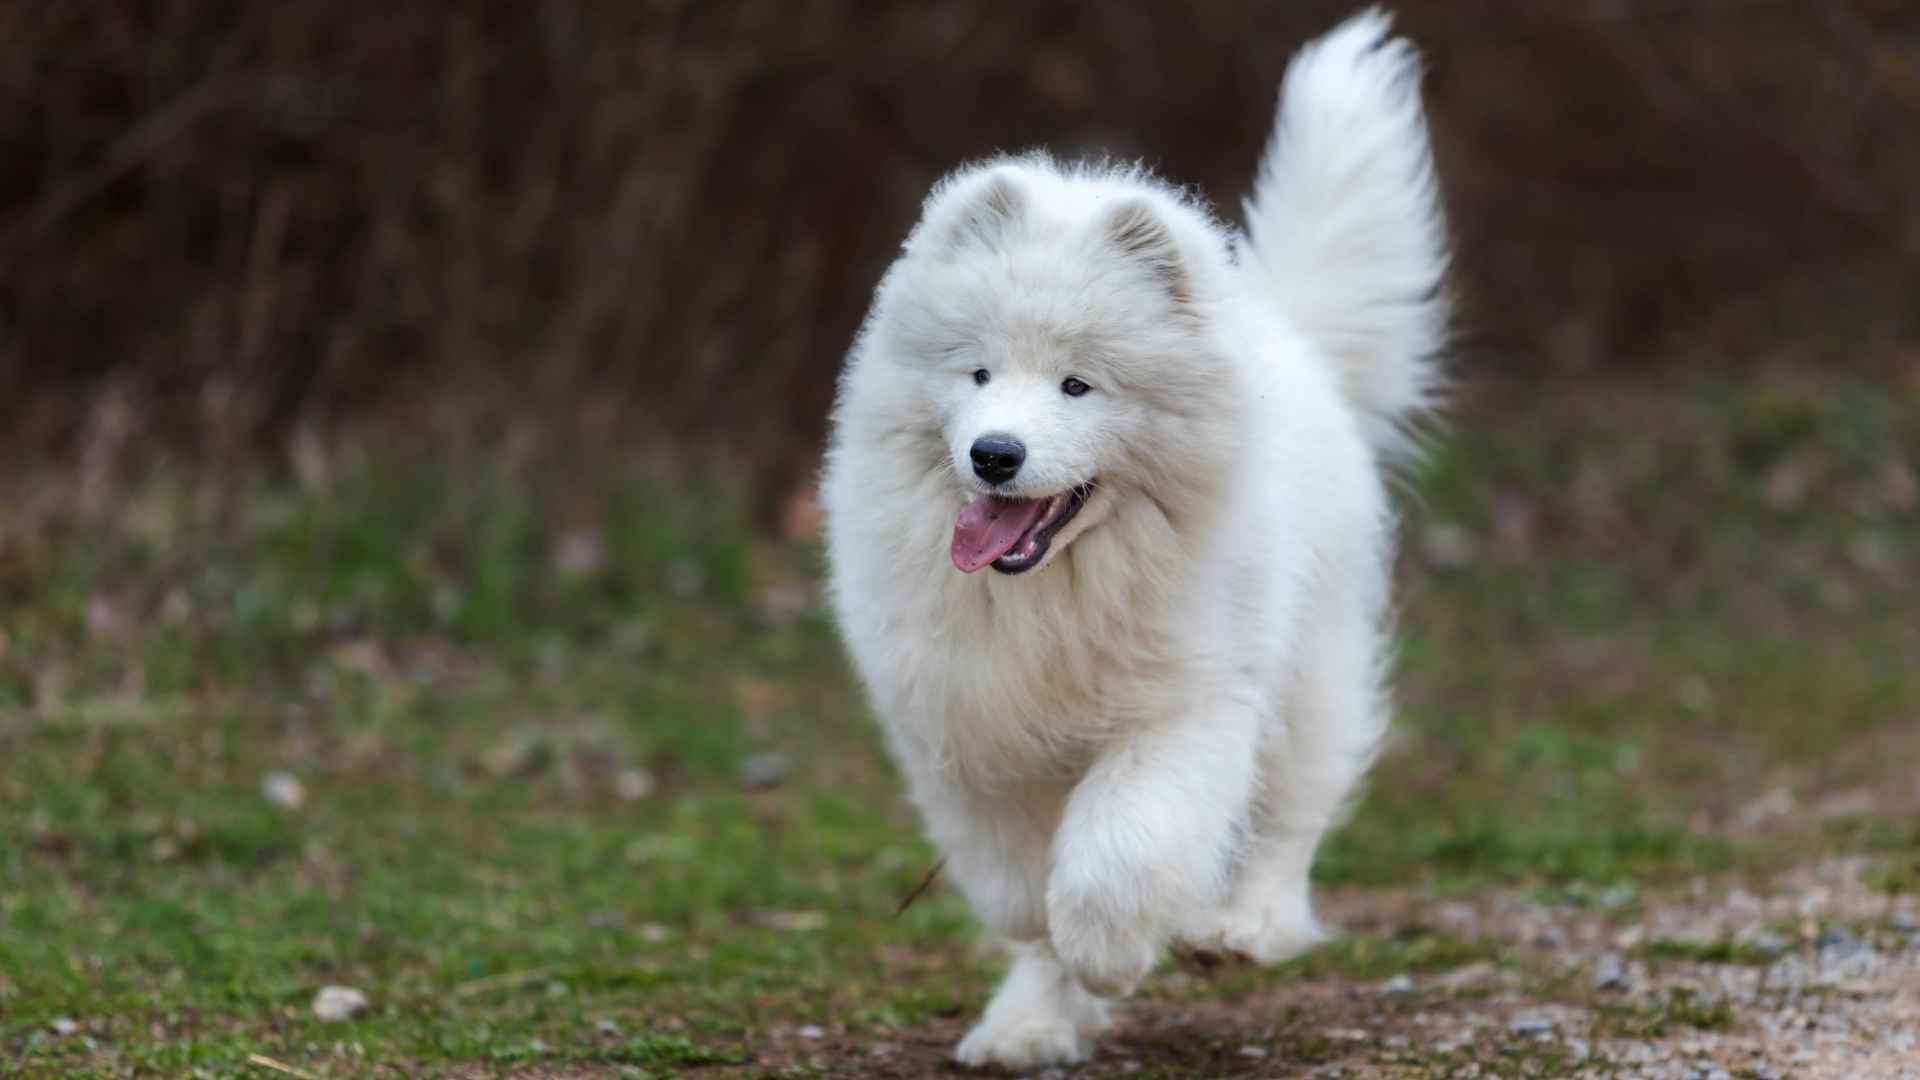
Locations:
(990, 526)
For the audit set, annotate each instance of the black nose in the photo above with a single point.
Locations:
(997, 457)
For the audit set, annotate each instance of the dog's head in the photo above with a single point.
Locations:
(1050, 333)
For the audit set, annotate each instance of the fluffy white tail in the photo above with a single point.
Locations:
(1345, 220)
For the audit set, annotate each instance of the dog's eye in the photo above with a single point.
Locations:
(982, 377)
(1073, 387)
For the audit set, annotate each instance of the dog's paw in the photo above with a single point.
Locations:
(1108, 960)
(1024, 1042)
(1265, 933)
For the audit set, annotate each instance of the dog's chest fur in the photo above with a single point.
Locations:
(1010, 678)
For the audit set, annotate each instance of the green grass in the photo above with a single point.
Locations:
(1720, 951)
(1678, 1009)
(1584, 706)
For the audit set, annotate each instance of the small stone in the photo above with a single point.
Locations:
(764, 770)
(810, 1031)
(1775, 804)
(1530, 1024)
(175, 609)
(63, 1026)
(1839, 942)
(1471, 975)
(1253, 1051)
(283, 789)
(654, 933)
(1447, 546)
(107, 618)
(1399, 984)
(1788, 483)
(336, 1003)
(1610, 972)
(780, 605)
(632, 785)
(795, 922)
(579, 553)
(607, 1027)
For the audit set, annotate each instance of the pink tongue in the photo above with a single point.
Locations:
(990, 526)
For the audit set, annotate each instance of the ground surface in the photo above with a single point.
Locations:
(565, 775)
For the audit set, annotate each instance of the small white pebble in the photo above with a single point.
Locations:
(1399, 984)
(810, 1031)
(796, 922)
(284, 790)
(63, 1026)
(1253, 1051)
(336, 1003)
(1447, 546)
(579, 553)
(632, 785)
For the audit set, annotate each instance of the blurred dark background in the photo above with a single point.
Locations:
(223, 223)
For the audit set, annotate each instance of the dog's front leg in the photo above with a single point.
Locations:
(1147, 842)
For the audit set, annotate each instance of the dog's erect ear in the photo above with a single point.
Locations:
(1138, 232)
(988, 212)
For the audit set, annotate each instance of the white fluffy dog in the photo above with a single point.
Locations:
(1168, 443)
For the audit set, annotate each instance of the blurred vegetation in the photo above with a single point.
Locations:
(228, 222)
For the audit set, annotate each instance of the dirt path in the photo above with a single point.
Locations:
(1816, 976)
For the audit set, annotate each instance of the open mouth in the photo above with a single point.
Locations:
(1012, 535)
